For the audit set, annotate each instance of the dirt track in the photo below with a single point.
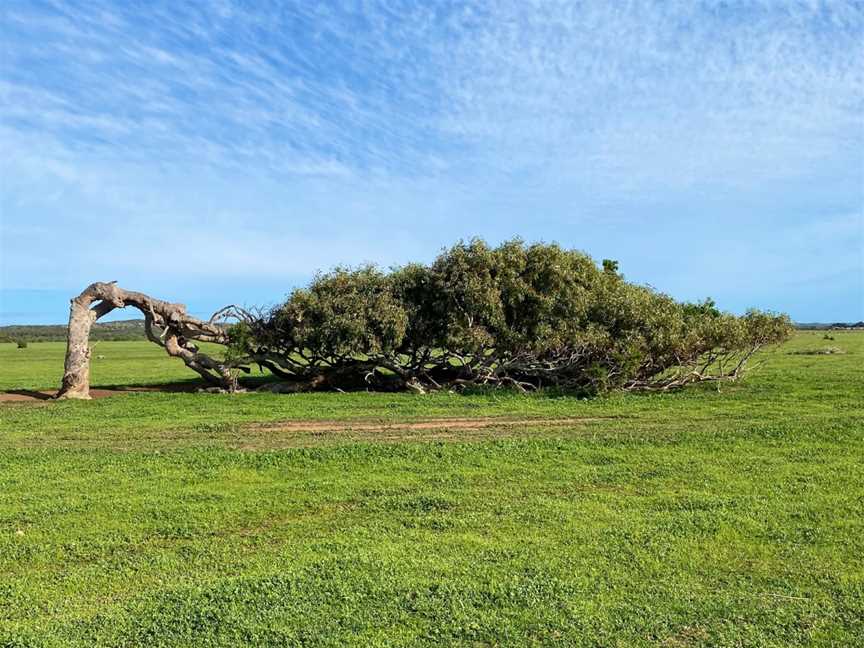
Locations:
(427, 424)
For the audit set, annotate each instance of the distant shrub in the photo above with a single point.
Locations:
(823, 351)
(528, 316)
(22, 344)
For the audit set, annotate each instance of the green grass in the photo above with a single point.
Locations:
(40, 365)
(695, 518)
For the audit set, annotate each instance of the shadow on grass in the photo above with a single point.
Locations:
(29, 393)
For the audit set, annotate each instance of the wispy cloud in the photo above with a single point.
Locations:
(281, 136)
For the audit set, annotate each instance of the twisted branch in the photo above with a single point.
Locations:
(177, 332)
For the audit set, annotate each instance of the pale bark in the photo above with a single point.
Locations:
(166, 324)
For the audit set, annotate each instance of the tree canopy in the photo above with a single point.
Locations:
(528, 316)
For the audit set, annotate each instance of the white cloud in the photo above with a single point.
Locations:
(320, 132)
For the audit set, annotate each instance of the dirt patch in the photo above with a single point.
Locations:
(288, 434)
(35, 396)
(425, 425)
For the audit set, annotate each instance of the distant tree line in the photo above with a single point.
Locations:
(125, 330)
(834, 326)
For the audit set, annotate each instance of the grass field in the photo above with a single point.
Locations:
(180, 519)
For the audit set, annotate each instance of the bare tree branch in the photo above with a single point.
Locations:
(179, 330)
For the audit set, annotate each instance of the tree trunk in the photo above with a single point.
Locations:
(166, 324)
(76, 373)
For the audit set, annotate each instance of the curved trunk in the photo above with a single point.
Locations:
(166, 324)
(76, 372)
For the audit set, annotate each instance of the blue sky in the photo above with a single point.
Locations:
(219, 152)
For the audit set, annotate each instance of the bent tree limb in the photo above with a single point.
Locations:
(166, 324)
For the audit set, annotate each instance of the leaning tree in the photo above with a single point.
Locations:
(524, 316)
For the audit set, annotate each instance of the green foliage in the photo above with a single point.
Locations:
(240, 341)
(345, 313)
(515, 299)
(527, 315)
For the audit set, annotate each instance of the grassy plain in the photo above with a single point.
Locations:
(179, 519)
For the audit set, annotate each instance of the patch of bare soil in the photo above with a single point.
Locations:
(423, 425)
(287, 434)
(35, 396)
